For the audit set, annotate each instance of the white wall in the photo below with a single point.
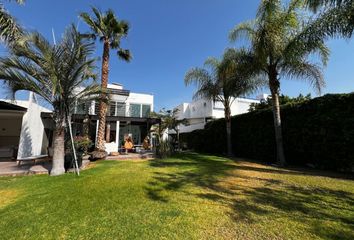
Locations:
(32, 131)
(140, 98)
(238, 106)
(197, 111)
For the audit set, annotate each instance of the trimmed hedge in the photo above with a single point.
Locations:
(318, 132)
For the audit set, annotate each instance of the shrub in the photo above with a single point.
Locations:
(164, 149)
(318, 132)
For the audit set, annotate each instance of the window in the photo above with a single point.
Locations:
(146, 109)
(112, 109)
(120, 109)
(135, 110)
(82, 107)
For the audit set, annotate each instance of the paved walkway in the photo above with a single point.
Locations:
(132, 156)
(10, 167)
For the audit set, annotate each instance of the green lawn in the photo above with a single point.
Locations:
(190, 196)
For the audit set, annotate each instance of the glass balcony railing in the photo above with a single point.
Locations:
(116, 109)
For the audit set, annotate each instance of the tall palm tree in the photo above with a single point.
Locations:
(57, 73)
(317, 4)
(280, 50)
(10, 30)
(223, 80)
(110, 31)
(335, 18)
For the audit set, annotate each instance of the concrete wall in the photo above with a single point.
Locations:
(140, 98)
(199, 110)
(33, 141)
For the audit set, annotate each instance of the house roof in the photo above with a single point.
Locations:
(9, 106)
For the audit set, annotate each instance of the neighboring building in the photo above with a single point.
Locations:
(200, 111)
(26, 128)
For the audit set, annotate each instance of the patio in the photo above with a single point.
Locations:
(10, 167)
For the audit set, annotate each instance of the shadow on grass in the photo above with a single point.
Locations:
(187, 169)
(327, 213)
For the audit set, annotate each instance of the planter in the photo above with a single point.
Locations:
(70, 162)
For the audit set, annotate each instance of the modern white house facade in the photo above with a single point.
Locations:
(26, 128)
(128, 114)
(200, 111)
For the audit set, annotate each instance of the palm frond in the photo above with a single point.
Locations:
(305, 71)
(315, 5)
(243, 31)
(125, 54)
(52, 72)
(10, 30)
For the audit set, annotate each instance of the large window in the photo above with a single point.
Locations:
(135, 110)
(146, 110)
(112, 109)
(120, 109)
(82, 107)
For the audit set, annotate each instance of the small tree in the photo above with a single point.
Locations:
(223, 80)
(172, 122)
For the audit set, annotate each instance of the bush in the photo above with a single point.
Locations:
(318, 132)
(82, 143)
(70, 162)
(164, 149)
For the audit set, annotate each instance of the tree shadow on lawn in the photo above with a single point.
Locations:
(327, 213)
(187, 169)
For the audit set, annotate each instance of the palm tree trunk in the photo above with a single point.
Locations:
(228, 128)
(178, 145)
(274, 88)
(103, 105)
(108, 132)
(59, 152)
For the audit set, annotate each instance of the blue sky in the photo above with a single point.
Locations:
(168, 37)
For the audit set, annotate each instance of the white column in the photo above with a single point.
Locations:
(96, 131)
(117, 134)
(127, 106)
(92, 108)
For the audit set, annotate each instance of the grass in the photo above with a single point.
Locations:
(190, 196)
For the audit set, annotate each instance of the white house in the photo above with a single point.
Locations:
(128, 114)
(199, 112)
(26, 128)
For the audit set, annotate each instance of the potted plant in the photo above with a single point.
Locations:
(81, 143)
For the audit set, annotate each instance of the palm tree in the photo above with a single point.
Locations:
(315, 5)
(172, 122)
(223, 80)
(110, 31)
(335, 18)
(280, 50)
(57, 73)
(9, 28)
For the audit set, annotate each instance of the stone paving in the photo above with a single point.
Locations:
(132, 156)
(10, 168)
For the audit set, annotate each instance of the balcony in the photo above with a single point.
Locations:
(115, 109)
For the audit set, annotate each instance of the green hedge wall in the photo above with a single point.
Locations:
(318, 132)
